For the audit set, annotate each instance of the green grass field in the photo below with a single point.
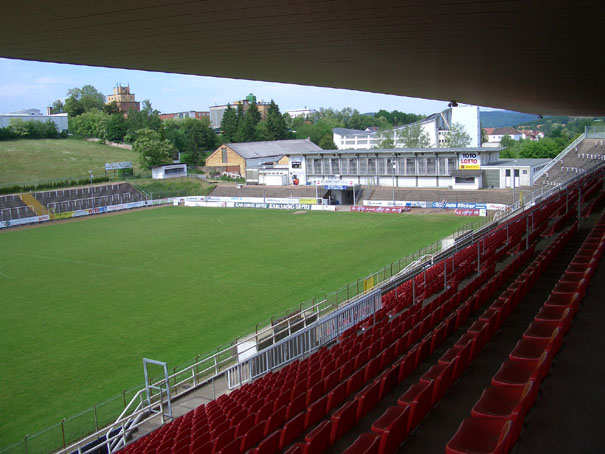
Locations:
(83, 302)
(30, 161)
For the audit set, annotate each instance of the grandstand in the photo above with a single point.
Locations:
(12, 207)
(451, 358)
(60, 201)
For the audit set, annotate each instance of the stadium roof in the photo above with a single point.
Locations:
(536, 57)
(392, 151)
(251, 150)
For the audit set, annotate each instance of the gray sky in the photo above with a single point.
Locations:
(35, 85)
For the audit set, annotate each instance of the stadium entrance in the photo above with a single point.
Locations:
(341, 193)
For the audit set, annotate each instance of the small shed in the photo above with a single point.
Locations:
(169, 171)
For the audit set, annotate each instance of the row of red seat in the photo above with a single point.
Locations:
(497, 417)
(393, 426)
(317, 385)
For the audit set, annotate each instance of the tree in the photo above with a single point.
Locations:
(413, 136)
(115, 127)
(507, 141)
(198, 137)
(229, 124)
(386, 140)
(276, 124)
(152, 149)
(81, 100)
(147, 118)
(246, 129)
(327, 143)
(90, 124)
(457, 136)
(57, 107)
(111, 108)
(484, 138)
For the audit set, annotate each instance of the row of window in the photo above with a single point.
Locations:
(382, 166)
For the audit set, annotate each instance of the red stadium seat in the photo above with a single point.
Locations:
(318, 440)
(292, 430)
(480, 436)
(392, 427)
(366, 443)
(342, 420)
(367, 399)
(419, 398)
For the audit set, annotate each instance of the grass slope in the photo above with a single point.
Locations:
(27, 161)
(84, 302)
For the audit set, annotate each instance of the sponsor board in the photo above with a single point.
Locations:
(64, 215)
(377, 209)
(459, 205)
(398, 203)
(308, 201)
(469, 161)
(335, 187)
(118, 165)
(273, 206)
(23, 221)
(495, 206)
(466, 212)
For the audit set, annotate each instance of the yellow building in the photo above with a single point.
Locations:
(237, 157)
(124, 99)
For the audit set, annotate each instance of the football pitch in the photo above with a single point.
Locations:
(83, 302)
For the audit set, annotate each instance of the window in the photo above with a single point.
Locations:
(401, 162)
(442, 166)
(451, 165)
(363, 166)
(371, 166)
(326, 169)
(430, 166)
(224, 157)
(296, 165)
(381, 166)
(391, 166)
(421, 166)
(410, 166)
(465, 180)
(316, 166)
(335, 166)
(352, 166)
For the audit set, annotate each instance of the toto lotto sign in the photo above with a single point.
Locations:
(469, 161)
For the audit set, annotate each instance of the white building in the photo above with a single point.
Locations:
(495, 135)
(34, 115)
(436, 126)
(306, 113)
(169, 171)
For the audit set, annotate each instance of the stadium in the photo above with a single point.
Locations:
(479, 337)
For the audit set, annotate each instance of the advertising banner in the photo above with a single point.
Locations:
(308, 201)
(469, 161)
(377, 209)
(466, 212)
(64, 215)
(23, 221)
(118, 165)
(398, 203)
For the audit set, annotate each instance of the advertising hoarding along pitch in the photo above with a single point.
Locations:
(118, 165)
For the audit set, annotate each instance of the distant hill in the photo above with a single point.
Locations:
(504, 118)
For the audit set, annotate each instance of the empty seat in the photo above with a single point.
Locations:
(480, 436)
(419, 398)
(367, 399)
(517, 373)
(292, 430)
(392, 426)
(366, 443)
(342, 420)
(316, 411)
(506, 403)
(442, 375)
(317, 441)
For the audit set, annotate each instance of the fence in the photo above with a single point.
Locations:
(595, 132)
(274, 337)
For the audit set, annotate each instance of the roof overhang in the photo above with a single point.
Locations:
(537, 57)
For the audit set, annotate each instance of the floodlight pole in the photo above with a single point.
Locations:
(393, 177)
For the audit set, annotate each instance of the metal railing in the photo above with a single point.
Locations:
(276, 337)
(559, 157)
